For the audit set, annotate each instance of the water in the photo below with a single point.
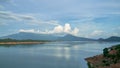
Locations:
(50, 55)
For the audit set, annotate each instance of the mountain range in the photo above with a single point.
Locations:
(112, 38)
(33, 36)
(52, 37)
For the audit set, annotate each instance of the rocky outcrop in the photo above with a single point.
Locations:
(109, 60)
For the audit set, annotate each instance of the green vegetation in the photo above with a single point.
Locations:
(118, 52)
(8, 41)
(89, 65)
(27, 40)
(109, 59)
(105, 52)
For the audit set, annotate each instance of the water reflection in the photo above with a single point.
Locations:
(50, 55)
(63, 52)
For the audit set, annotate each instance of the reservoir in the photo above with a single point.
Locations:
(64, 54)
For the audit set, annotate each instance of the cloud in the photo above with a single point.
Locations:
(13, 16)
(30, 30)
(96, 32)
(61, 12)
(75, 31)
(66, 8)
(7, 15)
(56, 30)
(67, 28)
(85, 8)
(39, 22)
(52, 22)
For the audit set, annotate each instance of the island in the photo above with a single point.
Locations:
(109, 59)
(9, 41)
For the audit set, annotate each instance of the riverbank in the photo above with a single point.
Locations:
(9, 41)
(109, 59)
(15, 43)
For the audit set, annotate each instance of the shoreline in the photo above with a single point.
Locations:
(15, 43)
(109, 59)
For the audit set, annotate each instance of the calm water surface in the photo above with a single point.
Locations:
(50, 55)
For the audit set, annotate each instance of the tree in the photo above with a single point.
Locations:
(105, 52)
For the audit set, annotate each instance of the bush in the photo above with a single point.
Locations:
(107, 64)
(105, 52)
(104, 61)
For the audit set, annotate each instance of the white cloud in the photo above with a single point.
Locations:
(96, 33)
(6, 15)
(13, 16)
(75, 31)
(67, 28)
(115, 34)
(57, 29)
(30, 30)
(52, 22)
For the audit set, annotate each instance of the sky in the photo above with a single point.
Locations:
(83, 18)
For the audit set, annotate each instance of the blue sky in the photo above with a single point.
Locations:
(84, 18)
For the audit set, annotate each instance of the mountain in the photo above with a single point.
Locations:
(70, 37)
(112, 38)
(52, 37)
(33, 36)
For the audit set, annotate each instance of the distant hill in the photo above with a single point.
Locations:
(33, 36)
(112, 38)
(70, 37)
(67, 37)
